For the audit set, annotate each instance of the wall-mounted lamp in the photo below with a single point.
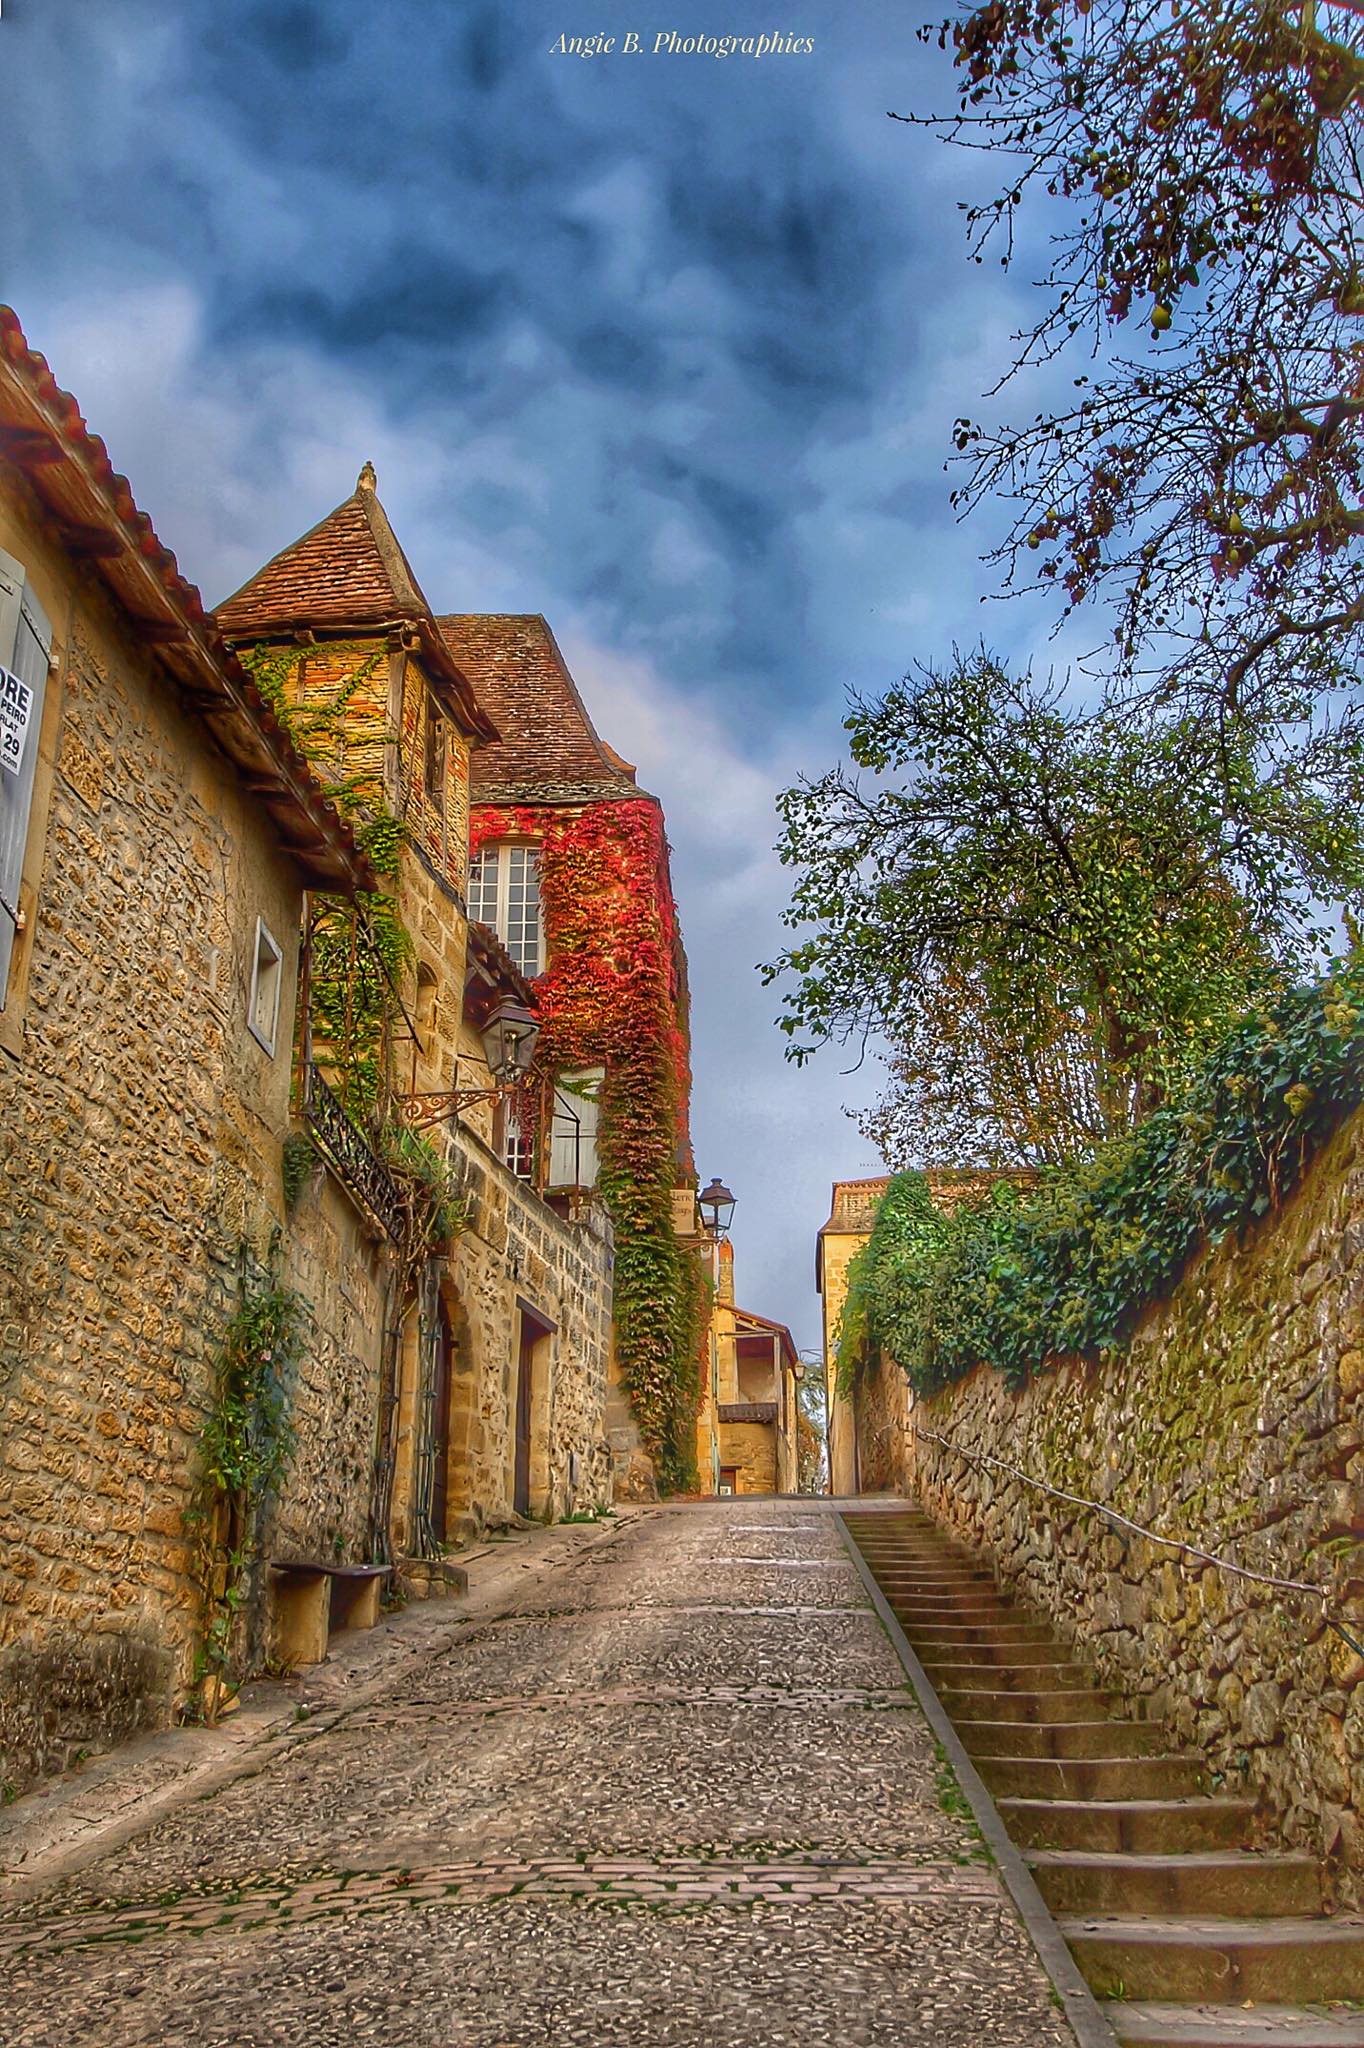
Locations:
(716, 1204)
(508, 1038)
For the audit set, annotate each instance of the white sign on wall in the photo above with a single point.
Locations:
(16, 711)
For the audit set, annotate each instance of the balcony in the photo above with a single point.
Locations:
(747, 1411)
(350, 1156)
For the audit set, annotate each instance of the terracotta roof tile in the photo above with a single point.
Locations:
(347, 571)
(550, 751)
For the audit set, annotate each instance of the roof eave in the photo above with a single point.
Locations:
(94, 516)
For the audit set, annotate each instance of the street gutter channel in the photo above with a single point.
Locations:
(1078, 2002)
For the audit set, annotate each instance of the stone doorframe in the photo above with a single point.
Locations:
(534, 1340)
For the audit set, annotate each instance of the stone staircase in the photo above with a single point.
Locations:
(1191, 1936)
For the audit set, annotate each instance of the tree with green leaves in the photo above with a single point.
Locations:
(1049, 914)
(1199, 161)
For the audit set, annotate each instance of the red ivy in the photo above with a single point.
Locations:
(615, 996)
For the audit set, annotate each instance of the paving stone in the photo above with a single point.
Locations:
(693, 1801)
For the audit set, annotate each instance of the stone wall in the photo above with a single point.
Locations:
(134, 1107)
(518, 1257)
(750, 1449)
(142, 1128)
(1235, 1422)
(881, 1405)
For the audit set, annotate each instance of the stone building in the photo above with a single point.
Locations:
(852, 1211)
(570, 866)
(869, 1420)
(748, 1423)
(494, 1386)
(158, 832)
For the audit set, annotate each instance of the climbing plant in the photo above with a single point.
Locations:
(243, 1449)
(1017, 1279)
(614, 996)
(361, 950)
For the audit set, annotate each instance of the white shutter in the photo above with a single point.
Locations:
(25, 643)
(573, 1133)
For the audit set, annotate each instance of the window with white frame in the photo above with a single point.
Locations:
(514, 1143)
(25, 641)
(267, 980)
(504, 892)
(573, 1131)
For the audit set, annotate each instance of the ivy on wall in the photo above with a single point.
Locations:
(244, 1446)
(1015, 1280)
(613, 996)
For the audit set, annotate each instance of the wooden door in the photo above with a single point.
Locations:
(524, 1370)
(440, 1426)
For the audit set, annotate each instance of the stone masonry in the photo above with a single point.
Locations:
(1235, 1422)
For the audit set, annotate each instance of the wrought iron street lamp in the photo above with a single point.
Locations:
(716, 1204)
(508, 1038)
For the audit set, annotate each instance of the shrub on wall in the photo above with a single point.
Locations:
(1014, 1280)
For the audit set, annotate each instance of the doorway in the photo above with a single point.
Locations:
(525, 1378)
(531, 1411)
(440, 1424)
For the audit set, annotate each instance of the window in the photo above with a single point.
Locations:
(25, 643)
(573, 1133)
(437, 737)
(514, 1146)
(267, 978)
(504, 892)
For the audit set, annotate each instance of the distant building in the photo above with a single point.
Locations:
(852, 1212)
(868, 1421)
(748, 1427)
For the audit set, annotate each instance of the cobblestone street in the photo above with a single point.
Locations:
(681, 1794)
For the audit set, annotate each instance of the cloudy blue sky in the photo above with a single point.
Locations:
(663, 346)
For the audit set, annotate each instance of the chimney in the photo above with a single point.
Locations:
(724, 1278)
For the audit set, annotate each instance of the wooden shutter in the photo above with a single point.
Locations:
(25, 643)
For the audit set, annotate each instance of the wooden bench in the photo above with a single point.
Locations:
(312, 1600)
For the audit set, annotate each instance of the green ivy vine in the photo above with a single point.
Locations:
(244, 1446)
(1015, 1280)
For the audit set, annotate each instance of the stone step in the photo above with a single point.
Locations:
(1116, 1777)
(965, 1608)
(994, 1635)
(1141, 1827)
(1230, 1881)
(1149, 2025)
(990, 1703)
(1229, 1961)
(1016, 1675)
(1115, 1739)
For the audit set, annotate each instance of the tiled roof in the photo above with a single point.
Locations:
(347, 571)
(97, 521)
(349, 574)
(550, 751)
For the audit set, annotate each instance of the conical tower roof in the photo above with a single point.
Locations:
(348, 574)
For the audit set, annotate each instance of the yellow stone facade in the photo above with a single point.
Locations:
(748, 1419)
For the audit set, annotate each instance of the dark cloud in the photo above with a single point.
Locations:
(670, 353)
(441, 305)
(296, 38)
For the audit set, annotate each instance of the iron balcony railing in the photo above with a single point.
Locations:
(350, 1155)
